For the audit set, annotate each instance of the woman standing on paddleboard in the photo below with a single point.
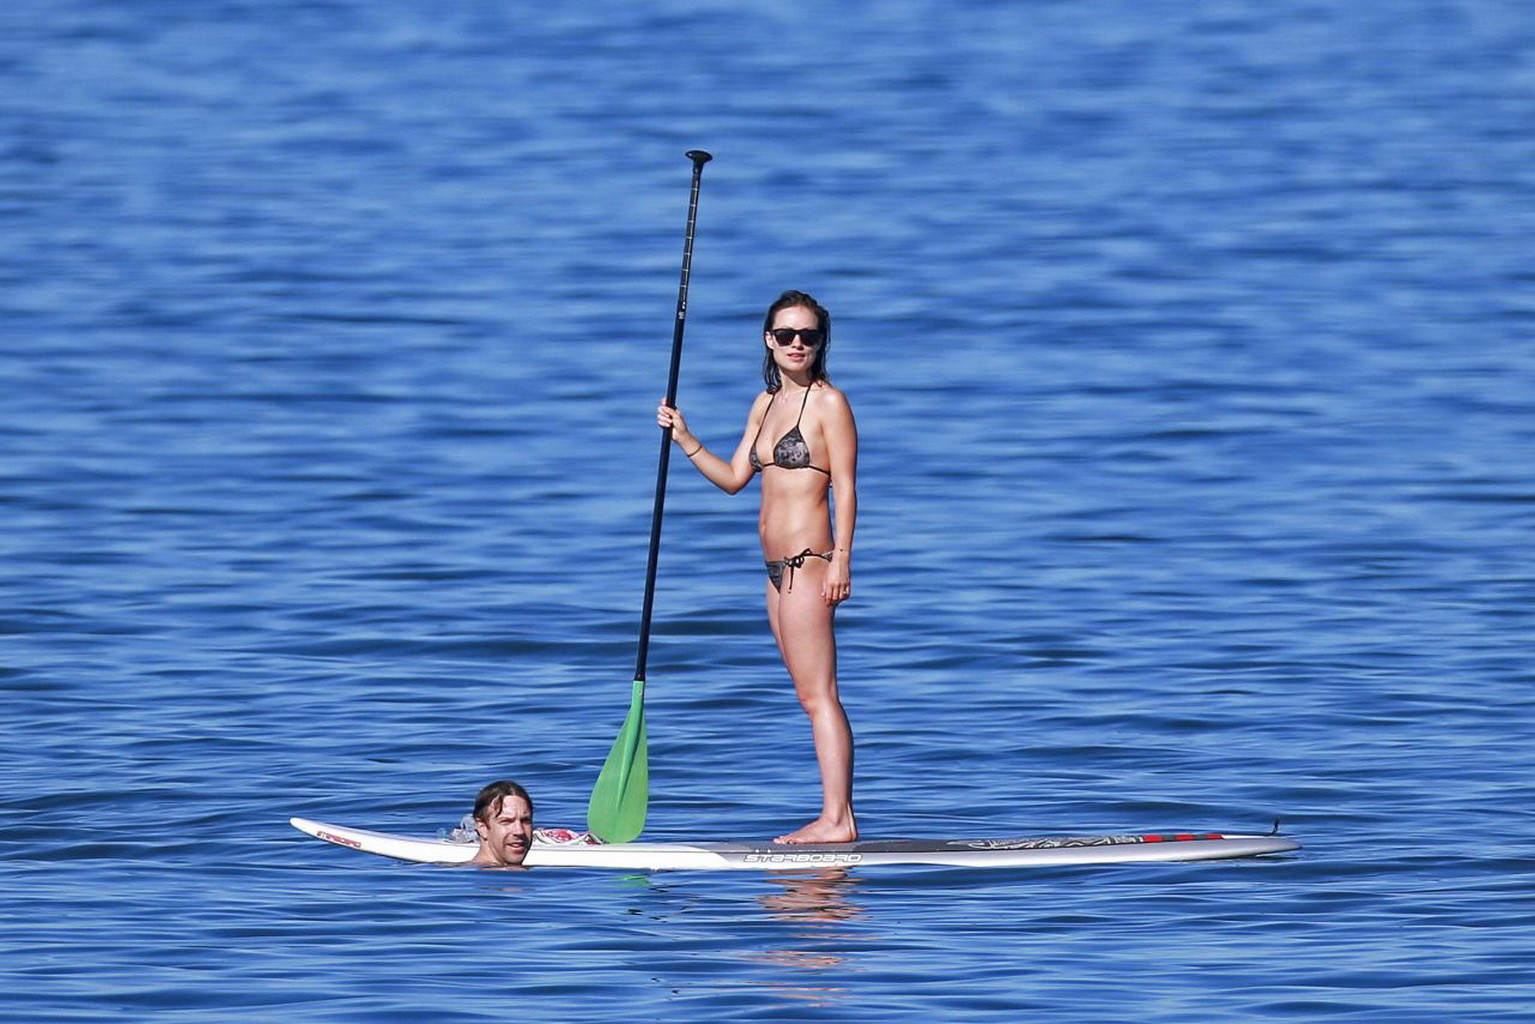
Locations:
(801, 438)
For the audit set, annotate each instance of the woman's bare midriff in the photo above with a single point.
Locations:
(796, 513)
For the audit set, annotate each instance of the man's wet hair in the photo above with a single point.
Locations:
(491, 798)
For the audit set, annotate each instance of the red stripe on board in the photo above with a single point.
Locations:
(1183, 837)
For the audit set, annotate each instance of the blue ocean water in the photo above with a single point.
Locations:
(1191, 347)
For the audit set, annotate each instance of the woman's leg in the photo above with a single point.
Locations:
(802, 625)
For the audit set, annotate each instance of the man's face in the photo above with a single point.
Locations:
(506, 833)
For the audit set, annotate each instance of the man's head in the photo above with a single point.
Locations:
(503, 817)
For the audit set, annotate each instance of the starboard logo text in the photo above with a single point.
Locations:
(803, 858)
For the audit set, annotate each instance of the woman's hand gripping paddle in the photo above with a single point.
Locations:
(616, 813)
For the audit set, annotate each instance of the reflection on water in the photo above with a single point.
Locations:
(816, 899)
(819, 896)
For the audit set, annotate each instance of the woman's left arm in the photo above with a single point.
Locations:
(841, 435)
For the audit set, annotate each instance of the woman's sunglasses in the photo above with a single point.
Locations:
(811, 336)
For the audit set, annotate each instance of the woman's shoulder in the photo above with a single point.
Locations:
(759, 407)
(828, 396)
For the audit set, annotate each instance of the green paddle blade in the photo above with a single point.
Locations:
(616, 813)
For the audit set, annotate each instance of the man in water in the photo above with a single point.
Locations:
(503, 818)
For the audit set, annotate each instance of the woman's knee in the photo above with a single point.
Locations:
(818, 695)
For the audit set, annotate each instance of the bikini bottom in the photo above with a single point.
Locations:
(776, 566)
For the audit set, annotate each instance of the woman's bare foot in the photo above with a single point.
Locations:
(823, 830)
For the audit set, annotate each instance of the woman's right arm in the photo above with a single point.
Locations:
(730, 476)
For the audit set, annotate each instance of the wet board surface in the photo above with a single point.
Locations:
(1015, 851)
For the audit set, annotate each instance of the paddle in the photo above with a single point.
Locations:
(616, 812)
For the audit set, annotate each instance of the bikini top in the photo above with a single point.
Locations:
(791, 451)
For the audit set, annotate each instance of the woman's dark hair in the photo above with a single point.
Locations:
(491, 798)
(817, 371)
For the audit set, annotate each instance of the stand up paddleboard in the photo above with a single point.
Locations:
(1023, 851)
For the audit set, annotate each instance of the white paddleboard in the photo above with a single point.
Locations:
(1021, 851)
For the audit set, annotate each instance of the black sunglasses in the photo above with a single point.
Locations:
(811, 336)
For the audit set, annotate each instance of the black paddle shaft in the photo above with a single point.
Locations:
(699, 158)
